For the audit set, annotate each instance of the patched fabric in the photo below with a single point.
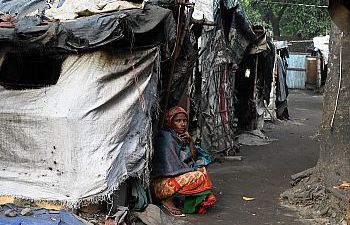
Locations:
(79, 139)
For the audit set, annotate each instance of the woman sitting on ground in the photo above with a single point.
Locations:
(178, 168)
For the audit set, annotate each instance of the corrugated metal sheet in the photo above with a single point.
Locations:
(296, 72)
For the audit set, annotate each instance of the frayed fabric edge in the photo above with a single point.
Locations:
(75, 204)
(143, 174)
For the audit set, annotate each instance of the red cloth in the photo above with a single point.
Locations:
(186, 184)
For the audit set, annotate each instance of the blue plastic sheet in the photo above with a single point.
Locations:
(39, 217)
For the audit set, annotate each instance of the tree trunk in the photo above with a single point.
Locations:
(275, 19)
(334, 161)
(314, 188)
(275, 22)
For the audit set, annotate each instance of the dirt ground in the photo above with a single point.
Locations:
(265, 170)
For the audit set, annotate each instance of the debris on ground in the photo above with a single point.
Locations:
(233, 158)
(254, 137)
(345, 185)
(14, 215)
(313, 200)
(248, 198)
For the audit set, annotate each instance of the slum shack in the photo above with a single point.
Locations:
(79, 84)
(84, 86)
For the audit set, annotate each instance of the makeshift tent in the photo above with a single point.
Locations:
(24, 24)
(75, 135)
(80, 138)
(254, 82)
(281, 82)
(225, 46)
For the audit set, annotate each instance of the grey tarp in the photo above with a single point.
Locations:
(22, 8)
(217, 112)
(219, 63)
(229, 4)
(82, 33)
(80, 138)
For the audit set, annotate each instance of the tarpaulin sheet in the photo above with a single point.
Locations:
(218, 66)
(322, 43)
(203, 9)
(209, 9)
(83, 33)
(228, 4)
(39, 217)
(71, 9)
(79, 139)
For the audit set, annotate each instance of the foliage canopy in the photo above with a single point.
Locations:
(290, 20)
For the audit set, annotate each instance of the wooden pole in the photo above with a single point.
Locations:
(179, 41)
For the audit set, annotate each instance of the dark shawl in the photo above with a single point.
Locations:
(172, 156)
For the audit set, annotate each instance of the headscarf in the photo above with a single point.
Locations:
(172, 156)
(171, 113)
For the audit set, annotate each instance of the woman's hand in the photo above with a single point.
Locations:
(186, 136)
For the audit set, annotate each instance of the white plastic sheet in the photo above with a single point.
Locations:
(72, 9)
(203, 9)
(79, 139)
(322, 43)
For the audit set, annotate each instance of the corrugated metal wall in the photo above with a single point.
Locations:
(296, 72)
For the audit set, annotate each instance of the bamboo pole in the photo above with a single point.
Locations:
(178, 45)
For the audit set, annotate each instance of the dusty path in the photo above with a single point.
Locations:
(265, 172)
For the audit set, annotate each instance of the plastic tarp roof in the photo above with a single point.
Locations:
(83, 33)
(71, 9)
(79, 139)
(208, 9)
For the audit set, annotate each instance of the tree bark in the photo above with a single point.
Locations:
(333, 167)
(275, 23)
(334, 161)
(340, 14)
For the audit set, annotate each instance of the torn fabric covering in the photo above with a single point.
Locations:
(71, 9)
(80, 139)
(64, 9)
(226, 48)
(21, 8)
(228, 4)
(80, 34)
(241, 35)
(217, 113)
(282, 88)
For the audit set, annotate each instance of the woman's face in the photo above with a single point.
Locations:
(179, 123)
